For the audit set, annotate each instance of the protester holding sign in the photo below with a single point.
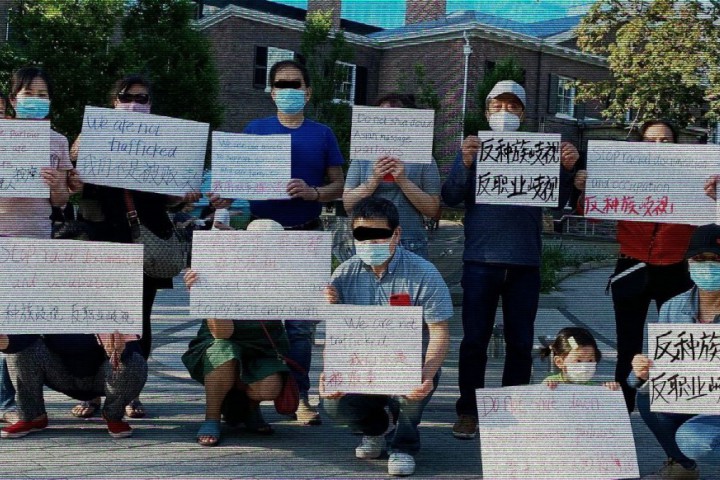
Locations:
(237, 362)
(576, 355)
(414, 188)
(31, 92)
(651, 267)
(110, 222)
(383, 273)
(80, 366)
(502, 258)
(687, 439)
(315, 155)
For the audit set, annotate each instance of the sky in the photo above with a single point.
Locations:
(391, 13)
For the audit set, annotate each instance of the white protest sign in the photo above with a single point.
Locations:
(406, 133)
(650, 182)
(568, 433)
(518, 168)
(24, 150)
(685, 376)
(253, 167)
(143, 152)
(260, 275)
(69, 286)
(374, 350)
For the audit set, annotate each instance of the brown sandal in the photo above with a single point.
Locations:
(86, 409)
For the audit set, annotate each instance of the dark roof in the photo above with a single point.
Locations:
(542, 29)
(293, 13)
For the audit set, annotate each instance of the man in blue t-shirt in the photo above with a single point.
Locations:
(315, 157)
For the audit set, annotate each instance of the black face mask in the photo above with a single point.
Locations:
(362, 234)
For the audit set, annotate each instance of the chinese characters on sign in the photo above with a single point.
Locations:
(518, 169)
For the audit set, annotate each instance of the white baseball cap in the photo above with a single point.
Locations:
(264, 225)
(507, 86)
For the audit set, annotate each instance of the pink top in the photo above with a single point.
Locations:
(30, 217)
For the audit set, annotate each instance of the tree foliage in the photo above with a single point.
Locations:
(86, 45)
(664, 57)
(505, 69)
(323, 48)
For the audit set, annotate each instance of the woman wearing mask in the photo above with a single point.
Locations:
(653, 256)
(109, 219)
(690, 441)
(31, 92)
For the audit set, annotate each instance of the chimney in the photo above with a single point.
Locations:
(327, 5)
(418, 11)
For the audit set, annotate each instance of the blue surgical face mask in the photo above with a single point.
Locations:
(372, 254)
(706, 275)
(32, 107)
(290, 100)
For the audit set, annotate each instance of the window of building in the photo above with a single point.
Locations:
(346, 81)
(565, 96)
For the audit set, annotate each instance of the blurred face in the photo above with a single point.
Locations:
(582, 354)
(289, 78)
(705, 271)
(375, 241)
(506, 102)
(658, 133)
(37, 88)
(134, 98)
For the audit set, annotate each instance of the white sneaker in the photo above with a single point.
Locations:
(401, 464)
(370, 446)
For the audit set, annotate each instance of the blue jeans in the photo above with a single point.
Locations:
(483, 285)
(299, 333)
(685, 438)
(7, 391)
(367, 414)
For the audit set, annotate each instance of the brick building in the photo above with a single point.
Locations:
(248, 36)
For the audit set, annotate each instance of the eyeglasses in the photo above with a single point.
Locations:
(295, 84)
(141, 98)
(706, 257)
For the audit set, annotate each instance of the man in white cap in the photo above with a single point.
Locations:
(501, 259)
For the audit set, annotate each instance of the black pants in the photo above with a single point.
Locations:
(661, 284)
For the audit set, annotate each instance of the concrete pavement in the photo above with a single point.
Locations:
(163, 445)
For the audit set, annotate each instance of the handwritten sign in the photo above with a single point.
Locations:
(67, 286)
(406, 133)
(374, 350)
(142, 152)
(568, 433)
(518, 169)
(650, 182)
(24, 150)
(253, 167)
(685, 376)
(260, 275)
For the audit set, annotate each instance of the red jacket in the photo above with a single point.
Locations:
(654, 243)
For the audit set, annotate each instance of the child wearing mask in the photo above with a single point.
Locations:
(576, 355)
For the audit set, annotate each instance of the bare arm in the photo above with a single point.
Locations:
(221, 328)
(334, 189)
(425, 203)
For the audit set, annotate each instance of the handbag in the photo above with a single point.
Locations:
(162, 258)
(287, 401)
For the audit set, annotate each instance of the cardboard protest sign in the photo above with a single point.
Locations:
(685, 376)
(406, 133)
(518, 168)
(143, 152)
(373, 350)
(568, 433)
(650, 182)
(24, 150)
(260, 275)
(253, 167)
(68, 286)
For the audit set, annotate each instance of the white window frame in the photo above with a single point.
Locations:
(716, 134)
(565, 95)
(275, 55)
(353, 81)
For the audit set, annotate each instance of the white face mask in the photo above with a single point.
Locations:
(580, 372)
(504, 122)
